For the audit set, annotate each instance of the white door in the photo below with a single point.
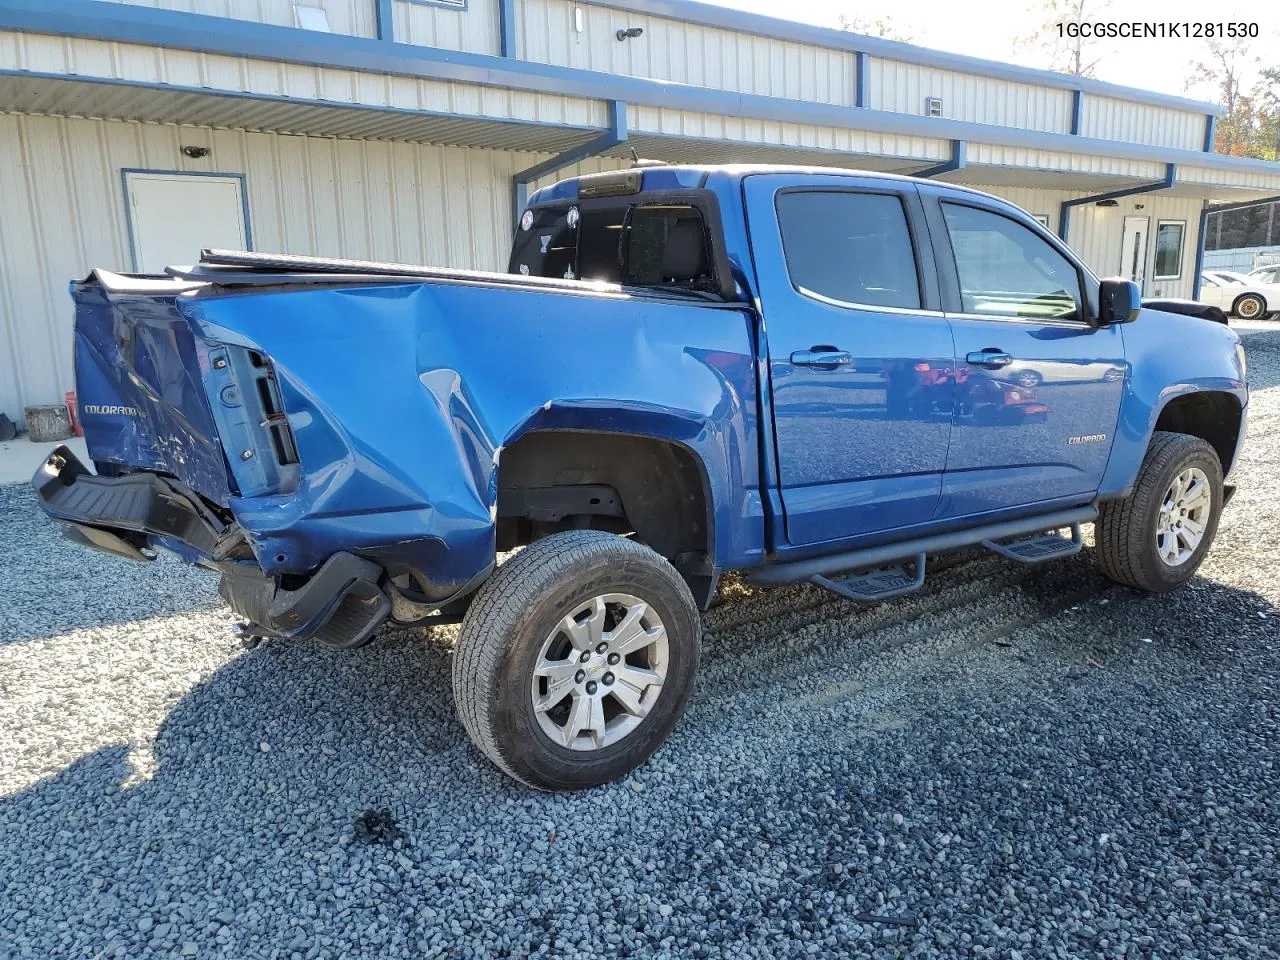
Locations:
(173, 216)
(1133, 251)
(1211, 292)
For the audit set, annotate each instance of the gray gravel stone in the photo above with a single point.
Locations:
(943, 775)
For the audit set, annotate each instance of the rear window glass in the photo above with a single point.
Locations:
(851, 247)
(638, 244)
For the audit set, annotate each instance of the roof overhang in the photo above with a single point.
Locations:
(156, 103)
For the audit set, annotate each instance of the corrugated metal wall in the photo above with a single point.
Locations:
(354, 17)
(1109, 119)
(63, 209)
(903, 87)
(683, 52)
(470, 26)
(687, 123)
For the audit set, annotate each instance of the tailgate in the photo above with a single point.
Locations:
(139, 386)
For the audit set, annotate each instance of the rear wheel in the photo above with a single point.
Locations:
(1249, 307)
(1157, 538)
(576, 659)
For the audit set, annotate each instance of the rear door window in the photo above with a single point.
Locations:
(850, 247)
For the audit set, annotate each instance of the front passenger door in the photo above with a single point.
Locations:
(1038, 388)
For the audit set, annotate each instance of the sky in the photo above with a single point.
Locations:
(989, 31)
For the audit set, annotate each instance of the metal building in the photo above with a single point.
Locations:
(131, 133)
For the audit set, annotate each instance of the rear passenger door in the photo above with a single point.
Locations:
(860, 355)
(1038, 388)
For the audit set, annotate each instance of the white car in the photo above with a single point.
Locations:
(1239, 295)
(1268, 274)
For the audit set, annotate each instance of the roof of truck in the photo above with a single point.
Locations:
(661, 176)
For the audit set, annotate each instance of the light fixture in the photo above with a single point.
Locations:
(1107, 203)
(195, 153)
(629, 33)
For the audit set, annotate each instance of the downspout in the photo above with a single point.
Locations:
(616, 134)
(955, 163)
(1200, 244)
(1064, 214)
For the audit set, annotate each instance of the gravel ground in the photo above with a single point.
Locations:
(1014, 762)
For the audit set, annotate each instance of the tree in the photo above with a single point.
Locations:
(1078, 55)
(1250, 127)
(876, 27)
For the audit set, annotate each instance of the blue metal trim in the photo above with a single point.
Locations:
(860, 74)
(1210, 132)
(507, 43)
(1200, 241)
(1064, 213)
(383, 12)
(1224, 207)
(1077, 111)
(131, 23)
(616, 134)
(459, 5)
(128, 207)
(706, 14)
(955, 163)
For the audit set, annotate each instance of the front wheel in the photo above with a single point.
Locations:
(1157, 537)
(1249, 307)
(576, 659)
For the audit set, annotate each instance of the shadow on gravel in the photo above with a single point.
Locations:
(51, 586)
(1074, 782)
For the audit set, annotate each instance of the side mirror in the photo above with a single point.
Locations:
(1119, 301)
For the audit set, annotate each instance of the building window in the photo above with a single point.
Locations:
(854, 248)
(1169, 235)
(1042, 219)
(311, 18)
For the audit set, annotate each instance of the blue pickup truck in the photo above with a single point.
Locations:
(801, 374)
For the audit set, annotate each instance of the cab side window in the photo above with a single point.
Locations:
(851, 247)
(1007, 270)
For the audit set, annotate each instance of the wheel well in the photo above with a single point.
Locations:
(553, 480)
(1257, 296)
(1212, 416)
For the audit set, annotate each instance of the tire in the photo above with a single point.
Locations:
(1250, 306)
(522, 609)
(1027, 378)
(1126, 530)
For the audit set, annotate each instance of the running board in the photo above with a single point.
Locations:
(875, 585)
(869, 558)
(1038, 549)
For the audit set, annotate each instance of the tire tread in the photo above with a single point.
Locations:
(1120, 529)
(499, 603)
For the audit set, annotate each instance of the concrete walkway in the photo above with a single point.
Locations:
(19, 458)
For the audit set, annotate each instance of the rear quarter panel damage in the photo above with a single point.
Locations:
(401, 398)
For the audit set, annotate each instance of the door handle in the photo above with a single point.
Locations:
(821, 357)
(990, 357)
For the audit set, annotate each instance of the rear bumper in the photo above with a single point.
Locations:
(132, 515)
